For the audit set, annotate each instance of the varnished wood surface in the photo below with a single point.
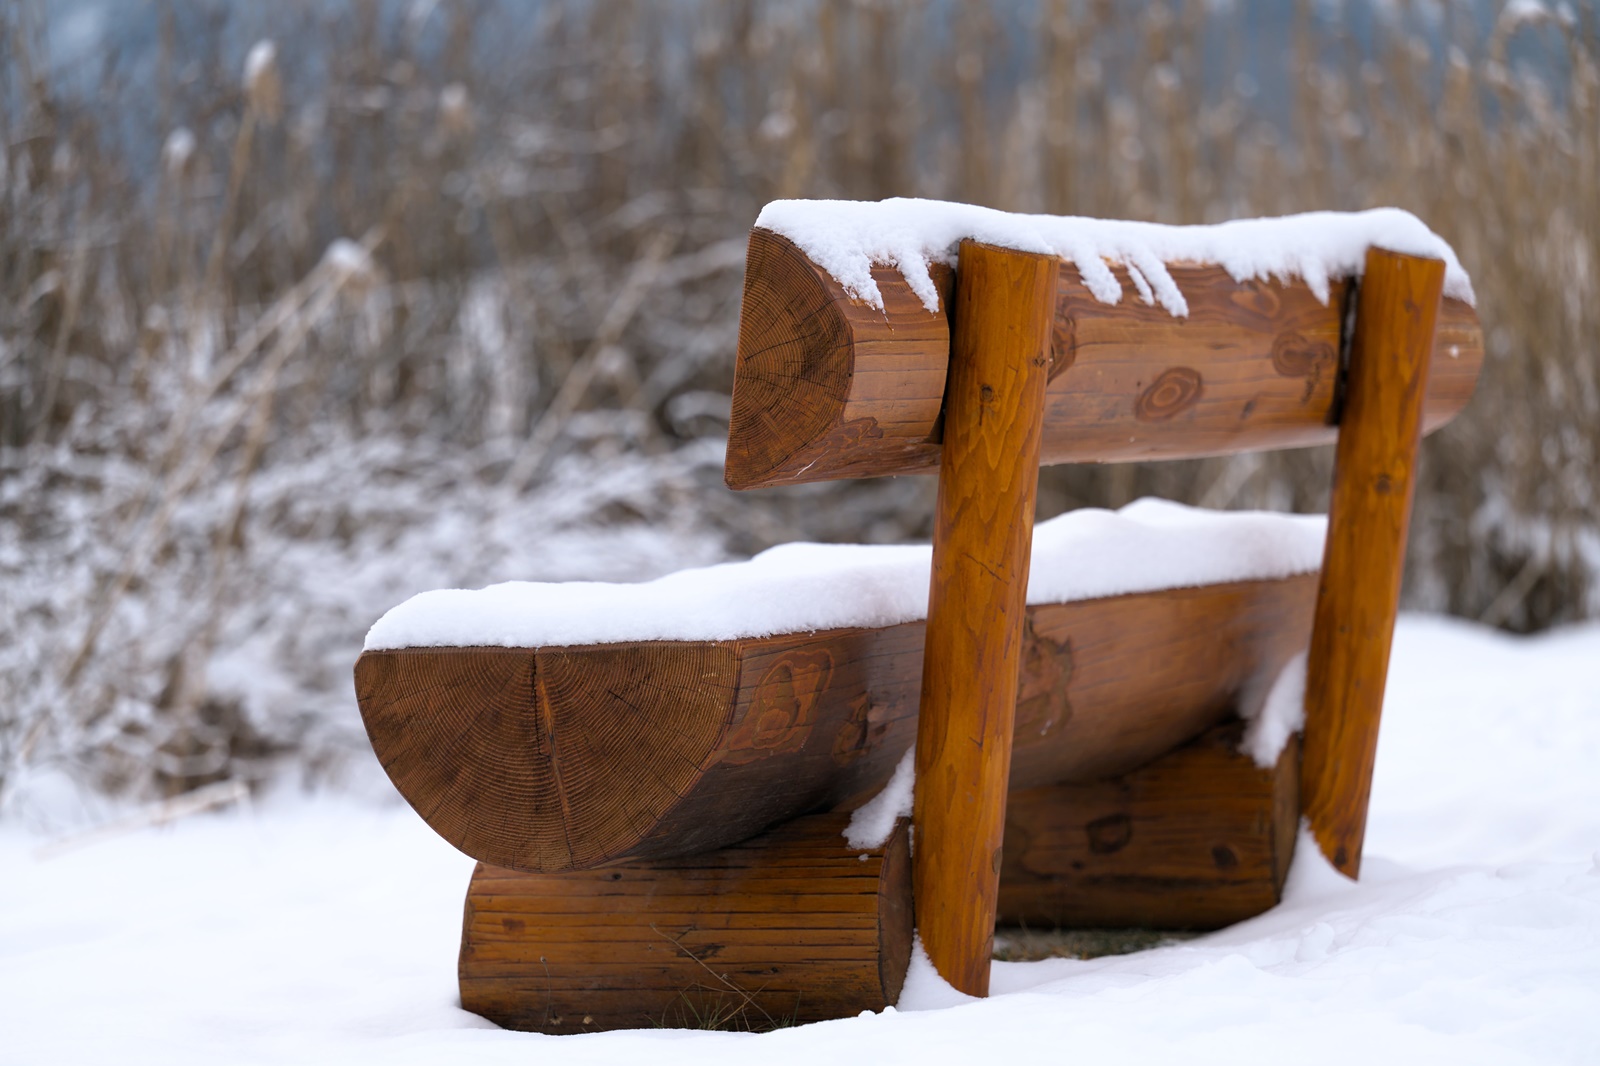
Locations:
(562, 758)
(982, 544)
(826, 387)
(1197, 839)
(793, 926)
(1370, 511)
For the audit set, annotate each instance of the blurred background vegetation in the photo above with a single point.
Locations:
(306, 307)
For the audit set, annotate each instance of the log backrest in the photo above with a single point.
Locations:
(1041, 351)
(827, 386)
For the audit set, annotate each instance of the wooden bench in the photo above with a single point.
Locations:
(652, 816)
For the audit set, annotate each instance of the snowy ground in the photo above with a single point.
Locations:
(325, 931)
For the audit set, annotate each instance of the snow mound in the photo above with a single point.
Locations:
(796, 588)
(848, 237)
(1279, 717)
(874, 820)
(925, 989)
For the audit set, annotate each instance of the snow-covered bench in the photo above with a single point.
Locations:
(613, 754)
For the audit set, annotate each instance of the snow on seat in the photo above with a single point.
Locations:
(1148, 545)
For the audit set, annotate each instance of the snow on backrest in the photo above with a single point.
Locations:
(847, 238)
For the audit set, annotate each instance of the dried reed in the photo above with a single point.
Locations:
(224, 447)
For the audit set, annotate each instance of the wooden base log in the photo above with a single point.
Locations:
(1198, 839)
(808, 930)
(569, 758)
(791, 927)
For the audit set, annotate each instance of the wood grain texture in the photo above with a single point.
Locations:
(1370, 511)
(771, 728)
(982, 545)
(792, 926)
(826, 387)
(1197, 839)
(504, 751)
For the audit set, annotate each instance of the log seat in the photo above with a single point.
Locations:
(546, 758)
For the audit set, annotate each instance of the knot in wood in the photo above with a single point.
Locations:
(1174, 391)
(1296, 356)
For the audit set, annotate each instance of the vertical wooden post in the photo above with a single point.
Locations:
(983, 532)
(1373, 479)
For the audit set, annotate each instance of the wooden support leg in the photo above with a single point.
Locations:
(1374, 476)
(983, 532)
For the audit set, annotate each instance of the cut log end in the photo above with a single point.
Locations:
(539, 760)
(792, 372)
(804, 409)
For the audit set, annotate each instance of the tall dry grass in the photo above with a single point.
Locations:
(446, 294)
